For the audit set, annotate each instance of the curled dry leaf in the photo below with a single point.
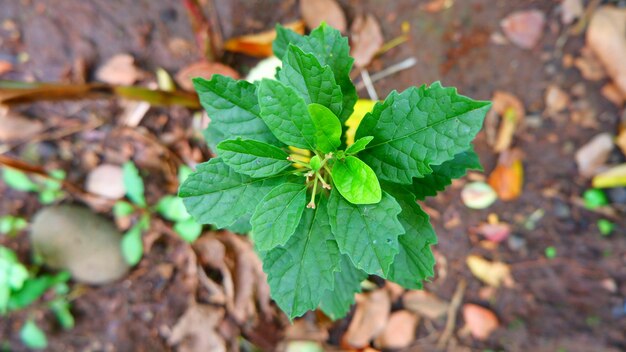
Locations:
(15, 127)
(506, 114)
(493, 274)
(593, 155)
(196, 330)
(480, 321)
(524, 28)
(260, 44)
(367, 38)
(203, 69)
(606, 36)
(106, 180)
(571, 10)
(314, 12)
(425, 304)
(507, 179)
(370, 318)
(399, 332)
(119, 69)
(556, 99)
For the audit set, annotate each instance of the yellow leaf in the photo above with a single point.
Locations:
(614, 177)
(260, 44)
(362, 107)
(492, 273)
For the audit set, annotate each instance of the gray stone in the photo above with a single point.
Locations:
(74, 238)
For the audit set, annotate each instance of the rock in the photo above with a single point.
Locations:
(594, 154)
(606, 36)
(73, 238)
(524, 28)
(399, 332)
(106, 180)
(119, 69)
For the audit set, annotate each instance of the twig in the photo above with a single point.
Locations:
(368, 84)
(452, 310)
(395, 68)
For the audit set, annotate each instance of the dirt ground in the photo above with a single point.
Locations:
(560, 304)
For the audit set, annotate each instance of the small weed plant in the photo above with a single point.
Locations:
(323, 214)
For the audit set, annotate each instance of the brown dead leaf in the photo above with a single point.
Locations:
(399, 332)
(435, 6)
(605, 36)
(366, 38)
(14, 127)
(425, 304)
(120, 70)
(106, 180)
(494, 232)
(524, 28)
(506, 113)
(571, 10)
(203, 69)
(314, 12)
(480, 321)
(594, 154)
(5, 66)
(260, 44)
(493, 274)
(612, 93)
(507, 179)
(196, 330)
(370, 318)
(621, 141)
(589, 66)
(556, 99)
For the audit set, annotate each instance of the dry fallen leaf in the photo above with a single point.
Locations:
(556, 99)
(496, 232)
(399, 332)
(425, 304)
(612, 93)
(260, 44)
(5, 66)
(119, 69)
(366, 39)
(571, 10)
(370, 318)
(106, 180)
(435, 6)
(507, 179)
(506, 113)
(196, 331)
(15, 127)
(589, 66)
(202, 69)
(605, 36)
(314, 12)
(621, 141)
(480, 321)
(594, 154)
(613, 177)
(493, 274)
(524, 28)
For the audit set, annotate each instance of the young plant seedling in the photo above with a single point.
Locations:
(324, 215)
(49, 188)
(169, 207)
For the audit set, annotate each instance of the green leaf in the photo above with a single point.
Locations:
(368, 234)
(172, 208)
(183, 172)
(327, 128)
(10, 225)
(443, 174)
(316, 84)
(418, 128)
(336, 303)
(277, 216)
(331, 49)
(34, 288)
(253, 158)
(12, 276)
(32, 336)
(233, 108)
(216, 194)
(132, 245)
(359, 145)
(189, 230)
(316, 163)
(122, 209)
(303, 269)
(18, 180)
(286, 114)
(415, 261)
(133, 183)
(61, 309)
(356, 181)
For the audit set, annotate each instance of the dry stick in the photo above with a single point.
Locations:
(395, 68)
(452, 310)
(368, 85)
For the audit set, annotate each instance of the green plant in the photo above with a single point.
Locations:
(325, 215)
(11, 225)
(49, 188)
(169, 207)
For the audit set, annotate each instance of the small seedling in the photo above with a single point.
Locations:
(49, 188)
(324, 215)
(594, 198)
(169, 207)
(550, 252)
(10, 225)
(605, 227)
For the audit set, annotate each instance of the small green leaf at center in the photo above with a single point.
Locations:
(356, 181)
